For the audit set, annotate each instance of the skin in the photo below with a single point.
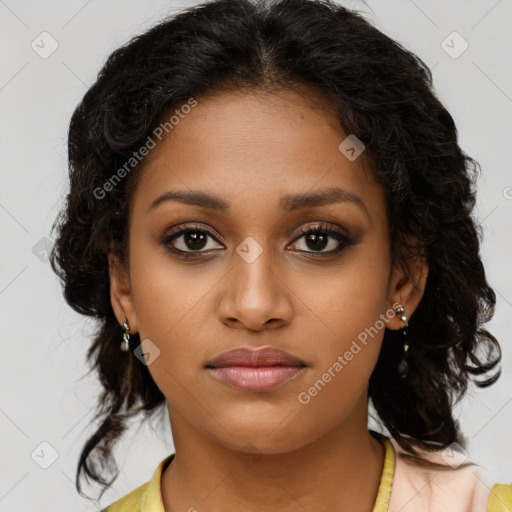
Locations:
(251, 149)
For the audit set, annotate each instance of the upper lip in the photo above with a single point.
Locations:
(249, 356)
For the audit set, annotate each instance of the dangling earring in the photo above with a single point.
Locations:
(125, 344)
(403, 366)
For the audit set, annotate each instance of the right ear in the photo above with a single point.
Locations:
(121, 295)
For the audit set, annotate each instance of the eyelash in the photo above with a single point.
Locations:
(343, 240)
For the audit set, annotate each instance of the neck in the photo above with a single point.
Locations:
(340, 470)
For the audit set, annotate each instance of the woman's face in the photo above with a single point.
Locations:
(254, 279)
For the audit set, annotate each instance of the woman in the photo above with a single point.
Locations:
(269, 206)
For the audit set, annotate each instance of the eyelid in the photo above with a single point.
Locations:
(323, 227)
(179, 230)
(342, 237)
(302, 230)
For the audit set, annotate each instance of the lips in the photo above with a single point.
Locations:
(255, 370)
(261, 357)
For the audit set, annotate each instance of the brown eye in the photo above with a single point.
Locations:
(189, 239)
(194, 240)
(317, 241)
(319, 238)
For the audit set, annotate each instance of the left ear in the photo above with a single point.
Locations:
(406, 285)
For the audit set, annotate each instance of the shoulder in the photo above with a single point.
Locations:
(146, 497)
(445, 481)
(131, 502)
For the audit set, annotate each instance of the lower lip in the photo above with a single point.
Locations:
(256, 378)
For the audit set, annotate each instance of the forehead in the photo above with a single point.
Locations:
(250, 147)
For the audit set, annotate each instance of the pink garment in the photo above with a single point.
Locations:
(454, 489)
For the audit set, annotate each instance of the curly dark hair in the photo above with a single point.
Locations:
(380, 92)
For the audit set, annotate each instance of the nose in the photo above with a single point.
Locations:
(255, 296)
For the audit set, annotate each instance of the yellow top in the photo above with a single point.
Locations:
(148, 496)
(500, 499)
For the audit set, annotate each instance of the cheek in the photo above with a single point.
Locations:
(344, 364)
(351, 296)
(172, 303)
(166, 293)
(348, 327)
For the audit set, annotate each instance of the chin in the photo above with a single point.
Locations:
(265, 439)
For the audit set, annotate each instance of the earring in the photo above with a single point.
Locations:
(125, 344)
(403, 366)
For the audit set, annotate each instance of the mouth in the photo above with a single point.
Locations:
(255, 370)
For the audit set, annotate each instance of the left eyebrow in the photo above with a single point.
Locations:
(291, 202)
(319, 198)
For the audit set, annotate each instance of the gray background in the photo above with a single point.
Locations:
(45, 394)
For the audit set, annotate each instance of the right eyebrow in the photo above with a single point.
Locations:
(192, 197)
